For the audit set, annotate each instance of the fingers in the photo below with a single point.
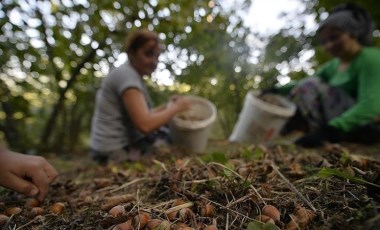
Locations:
(20, 185)
(42, 174)
(50, 172)
(174, 97)
(29, 175)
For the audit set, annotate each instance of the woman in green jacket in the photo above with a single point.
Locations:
(342, 102)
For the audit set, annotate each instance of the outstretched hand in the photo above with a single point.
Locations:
(181, 103)
(29, 175)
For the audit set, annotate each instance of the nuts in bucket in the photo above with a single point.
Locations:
(189, 117)
(271, 99)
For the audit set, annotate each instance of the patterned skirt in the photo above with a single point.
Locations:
(319, 102)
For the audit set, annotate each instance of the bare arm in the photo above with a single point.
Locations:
(144, 119)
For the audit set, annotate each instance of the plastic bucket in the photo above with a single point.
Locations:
(261, 121)
(191, 128)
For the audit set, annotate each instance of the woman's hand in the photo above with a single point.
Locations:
(180, 103)
(29, 175)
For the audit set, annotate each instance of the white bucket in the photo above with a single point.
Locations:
(260, 121)
(191, 128)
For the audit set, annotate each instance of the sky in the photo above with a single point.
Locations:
(264, 16)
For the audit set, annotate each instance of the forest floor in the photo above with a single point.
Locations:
(227, 187)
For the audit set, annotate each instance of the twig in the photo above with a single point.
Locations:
(238, 175)
(240, 199)
(179, 207)
(295, 222)
(227, 215)
(274, 166)
(201, 181)
(352, 195)
(224, 207)
(107, 188)
(30, 222)
(163, 166)
(129, 183)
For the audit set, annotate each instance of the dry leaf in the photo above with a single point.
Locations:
(303, 216)
(102, 182)
(296, 170)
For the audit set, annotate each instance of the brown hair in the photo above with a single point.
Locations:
(138, 38)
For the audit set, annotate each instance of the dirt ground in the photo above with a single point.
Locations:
(228, 187)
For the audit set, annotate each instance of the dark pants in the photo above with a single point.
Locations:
(134, 150)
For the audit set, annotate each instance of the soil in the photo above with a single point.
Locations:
(335, 187)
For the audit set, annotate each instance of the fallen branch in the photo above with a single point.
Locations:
(128, 184)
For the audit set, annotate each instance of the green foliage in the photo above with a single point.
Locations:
(218, 157)
(327, 172)
(261, 226)
(249, 154)
(55, 54)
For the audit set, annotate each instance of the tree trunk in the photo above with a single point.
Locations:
(9, 127)
(51, 123)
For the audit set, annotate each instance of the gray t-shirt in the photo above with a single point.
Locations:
(112, 128)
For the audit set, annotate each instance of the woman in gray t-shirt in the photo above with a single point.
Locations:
(124, 120)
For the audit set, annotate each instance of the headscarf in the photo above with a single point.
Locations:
(353, 20)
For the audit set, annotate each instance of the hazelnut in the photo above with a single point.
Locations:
(272, 212)
(182, 226)
(140, 220)
(186, 214)
(37, 211)
(124, 226)
(207, 210)
(57, 208)
(153, 223)
(172, 216)
(3, 219)
(165, 225)
(263, 218)
(118, 210)
(178, 202)
(211, 227)
(32, 202)
(12, 211)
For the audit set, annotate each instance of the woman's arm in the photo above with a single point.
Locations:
(144, 119)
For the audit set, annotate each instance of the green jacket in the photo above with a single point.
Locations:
(361, 80)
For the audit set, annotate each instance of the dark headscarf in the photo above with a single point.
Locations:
(352, 19)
